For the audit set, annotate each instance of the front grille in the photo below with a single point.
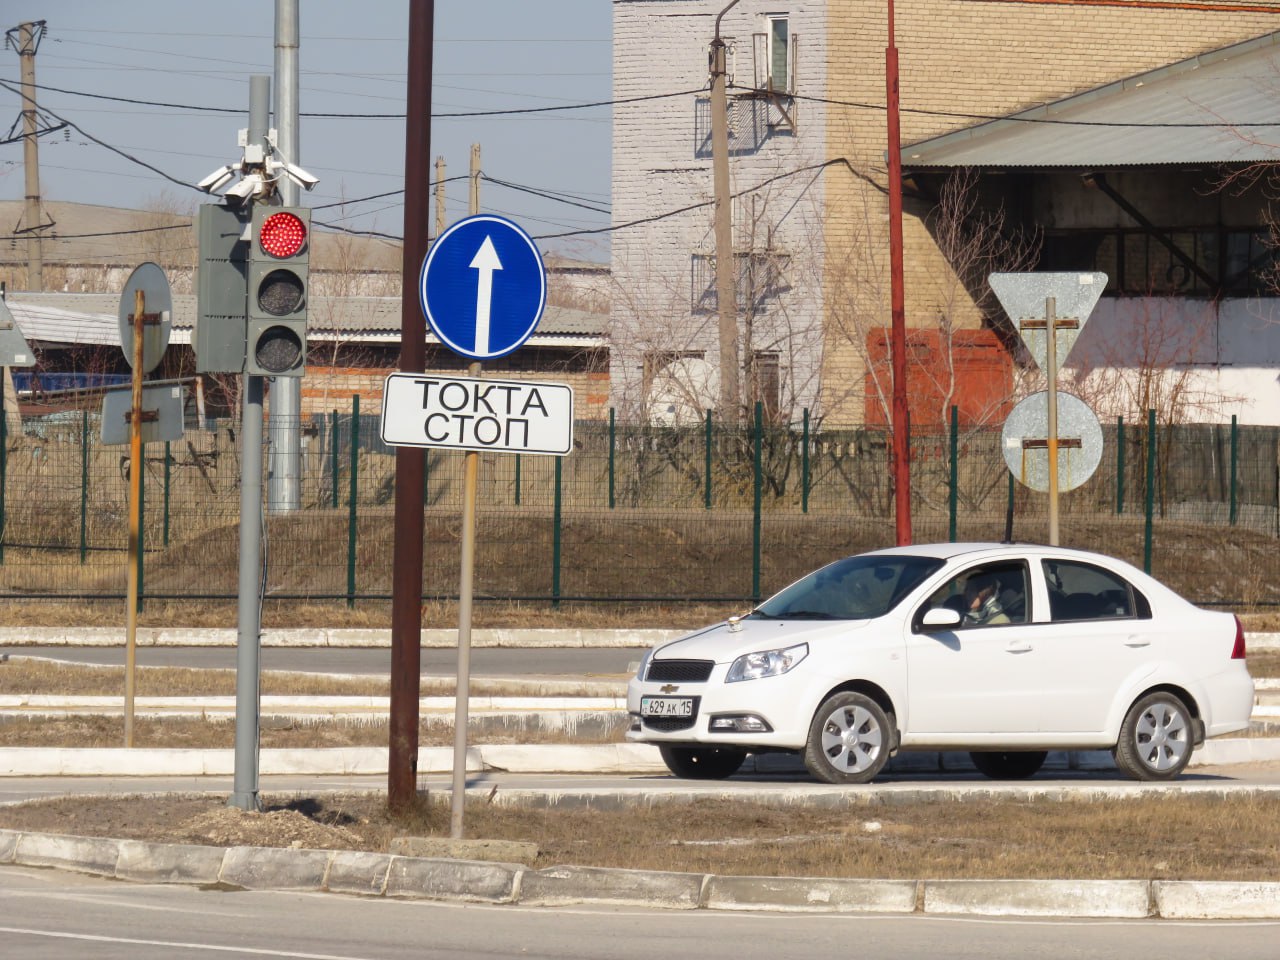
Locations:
(680, 671)
(670, 724)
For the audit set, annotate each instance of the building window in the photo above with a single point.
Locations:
(766, 385)
(779, 77)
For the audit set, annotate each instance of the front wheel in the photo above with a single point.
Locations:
(1156, 738)
(702, 763)
(849, 739)
(1008, 764)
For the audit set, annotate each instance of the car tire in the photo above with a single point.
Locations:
(1156, 738)
(702, 763)
(849, 739)
(1008, 764)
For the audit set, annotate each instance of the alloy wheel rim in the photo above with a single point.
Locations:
(1161, 736)
(851, 739)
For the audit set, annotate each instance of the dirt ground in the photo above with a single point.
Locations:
(1198, 837)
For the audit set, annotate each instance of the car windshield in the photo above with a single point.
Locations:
(855, 588)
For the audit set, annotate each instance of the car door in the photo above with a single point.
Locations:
(973, 679)
(1097, 638)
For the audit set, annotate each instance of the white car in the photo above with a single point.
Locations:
(1004, 650)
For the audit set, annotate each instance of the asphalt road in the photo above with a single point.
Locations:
(485, 661)
(56, 915)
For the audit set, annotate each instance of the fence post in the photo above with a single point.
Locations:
(759, 490)
(351, 501)
(165, 538)
(955, 472)
(1008, 513)
(333, 466)
(1235, 438)
(706, 468)
(804, 465)
(555, 538)
(84, 485)
(1151, 489)
(517, 479)
(4, 468)
(1119, 465)
(612, 441)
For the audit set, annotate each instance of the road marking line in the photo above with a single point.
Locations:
(58, 935)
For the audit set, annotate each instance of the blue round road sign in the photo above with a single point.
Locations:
(483, 287)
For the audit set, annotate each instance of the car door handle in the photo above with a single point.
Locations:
(1138, 642)
(1018, 646)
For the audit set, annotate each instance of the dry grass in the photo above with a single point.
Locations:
(29, 676)
(280, 732)
(1162, 837)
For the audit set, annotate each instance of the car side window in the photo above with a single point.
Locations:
(1082, 591)
(989, 595)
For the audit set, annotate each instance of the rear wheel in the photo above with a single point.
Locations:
(702, 763)
(849, 739)
(1156, 738)
(1008, 764)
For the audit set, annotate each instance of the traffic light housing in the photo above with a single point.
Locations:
(221, 285)
(276, 330)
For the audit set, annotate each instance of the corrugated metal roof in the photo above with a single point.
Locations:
(1219, 107)
(92, 318)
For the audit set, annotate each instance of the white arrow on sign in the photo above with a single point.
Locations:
(486, 261)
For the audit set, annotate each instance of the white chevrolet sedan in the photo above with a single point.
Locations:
(1003, 650)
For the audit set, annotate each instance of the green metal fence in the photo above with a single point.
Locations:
(635, 513)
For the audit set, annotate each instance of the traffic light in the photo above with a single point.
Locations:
(220, 289)
(277, 291)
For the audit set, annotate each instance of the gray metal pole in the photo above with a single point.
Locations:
(249, 633)
(284, 484)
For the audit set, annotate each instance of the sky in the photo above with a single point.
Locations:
(176, 59)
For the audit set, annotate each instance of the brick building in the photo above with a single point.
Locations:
(1111, 135)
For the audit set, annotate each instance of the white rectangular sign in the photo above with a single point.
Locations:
(467, 413)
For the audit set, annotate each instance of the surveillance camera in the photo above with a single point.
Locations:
(294, 172)
(246, 188)
(216, 179)
(300, 176)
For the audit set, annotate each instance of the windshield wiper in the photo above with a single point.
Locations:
(806, 615)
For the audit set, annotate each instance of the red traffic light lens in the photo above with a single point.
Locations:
(282, 235)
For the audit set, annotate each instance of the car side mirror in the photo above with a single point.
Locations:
(940, 618)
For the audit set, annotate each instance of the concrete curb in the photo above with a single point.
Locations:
(321, 637)
(606, 758)
(385, 875)
(342, 638)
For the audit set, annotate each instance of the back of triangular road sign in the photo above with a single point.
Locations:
(14, 349)
(1024, 296)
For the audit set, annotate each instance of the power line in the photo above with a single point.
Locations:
(367, 116)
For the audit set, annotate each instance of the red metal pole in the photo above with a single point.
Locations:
(406, 574)
(898, 338)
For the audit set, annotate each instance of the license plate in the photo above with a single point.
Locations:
(666, 706)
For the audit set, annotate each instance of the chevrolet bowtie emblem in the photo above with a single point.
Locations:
(670, 688)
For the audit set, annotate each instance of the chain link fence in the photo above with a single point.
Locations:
(635, 513)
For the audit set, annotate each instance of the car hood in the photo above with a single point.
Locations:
(724, 643)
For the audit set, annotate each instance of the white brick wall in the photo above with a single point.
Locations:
(661, 46)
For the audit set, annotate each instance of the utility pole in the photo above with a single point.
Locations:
(284, 477)
(726, 293)
(473, 198)
(440, 214)
(898, 312)
(28, 41)
(406, 577)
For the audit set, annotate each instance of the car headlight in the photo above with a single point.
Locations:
(643, 666)
(766, 663)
